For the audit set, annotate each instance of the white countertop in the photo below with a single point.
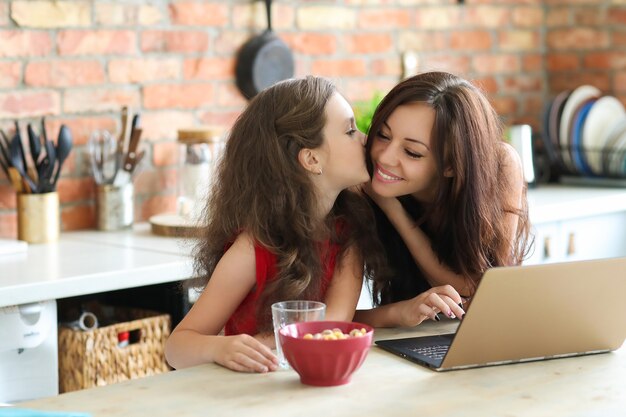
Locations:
(386, 385)
(139, 237)
(548, 203)
(90, 262)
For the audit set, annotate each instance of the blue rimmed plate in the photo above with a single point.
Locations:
(578, 97)
(604, 114)
(578, 156)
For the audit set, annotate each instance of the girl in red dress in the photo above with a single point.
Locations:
(281, 224)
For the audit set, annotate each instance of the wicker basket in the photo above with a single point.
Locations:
(94, 358)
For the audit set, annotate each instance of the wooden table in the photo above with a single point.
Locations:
(386, 385)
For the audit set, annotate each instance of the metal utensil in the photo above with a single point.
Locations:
(124, 175)
(138, 165)
(135, 123)
(103, 156)
(127, 160)
(121, 141)
(64, 146)
(95, 156)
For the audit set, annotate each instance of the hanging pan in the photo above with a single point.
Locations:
(263, 60)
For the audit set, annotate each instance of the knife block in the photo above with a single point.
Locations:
(38, 217)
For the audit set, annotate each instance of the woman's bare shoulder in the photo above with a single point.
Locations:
(509, 156)
(511, 162)
(513, 175)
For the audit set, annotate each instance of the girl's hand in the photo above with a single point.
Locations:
(244, 353)
(444, 299)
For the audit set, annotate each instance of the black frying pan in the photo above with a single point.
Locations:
(263, 60)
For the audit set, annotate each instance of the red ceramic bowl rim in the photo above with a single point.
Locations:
(331, 324)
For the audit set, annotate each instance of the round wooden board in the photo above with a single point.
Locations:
(173, 225)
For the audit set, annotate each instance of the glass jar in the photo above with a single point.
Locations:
(199, 150)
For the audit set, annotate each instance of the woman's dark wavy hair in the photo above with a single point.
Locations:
(260, 187)
(467, 217)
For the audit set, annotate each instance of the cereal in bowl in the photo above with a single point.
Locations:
(335, 334)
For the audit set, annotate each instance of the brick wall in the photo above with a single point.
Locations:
(78, 61)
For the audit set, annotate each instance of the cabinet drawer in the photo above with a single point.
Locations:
(591, 237)
(595, 237)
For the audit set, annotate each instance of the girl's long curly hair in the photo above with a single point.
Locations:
(467, 218)
(261, 187)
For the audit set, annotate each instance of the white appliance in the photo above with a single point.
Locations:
(521, 137)
(28, 351)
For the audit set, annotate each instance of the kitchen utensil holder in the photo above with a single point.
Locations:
(114, 206)
(38, 217)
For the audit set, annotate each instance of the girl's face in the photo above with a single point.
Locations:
(401, 154)
(344, 146)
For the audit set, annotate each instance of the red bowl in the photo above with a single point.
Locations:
(324, 362)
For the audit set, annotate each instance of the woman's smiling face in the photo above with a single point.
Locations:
(403, 162)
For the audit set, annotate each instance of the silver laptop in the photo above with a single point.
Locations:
(529, 313)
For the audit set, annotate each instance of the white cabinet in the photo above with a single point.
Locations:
(590, 237)
(544, 243)
(576, 223)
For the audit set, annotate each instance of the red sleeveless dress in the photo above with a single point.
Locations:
(244, 319)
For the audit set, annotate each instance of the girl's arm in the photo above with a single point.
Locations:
(409, 313)
(343, 293)
(195, 340)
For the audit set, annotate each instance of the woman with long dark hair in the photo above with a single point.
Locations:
(449, 195)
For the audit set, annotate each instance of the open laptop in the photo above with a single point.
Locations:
(529, 313)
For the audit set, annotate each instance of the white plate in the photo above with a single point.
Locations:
(601, 118)
(556, 110)
(574, 101)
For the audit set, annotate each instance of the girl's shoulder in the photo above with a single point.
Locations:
(245, 246)
(241, 242)
(245, 242)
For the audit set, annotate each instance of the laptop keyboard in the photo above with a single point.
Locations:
(436, 352)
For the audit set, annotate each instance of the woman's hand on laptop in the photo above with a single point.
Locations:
(429, 305)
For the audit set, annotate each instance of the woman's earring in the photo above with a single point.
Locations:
(320, 172)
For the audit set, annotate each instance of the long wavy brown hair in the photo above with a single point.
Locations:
(467, 219)
(261, 187)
